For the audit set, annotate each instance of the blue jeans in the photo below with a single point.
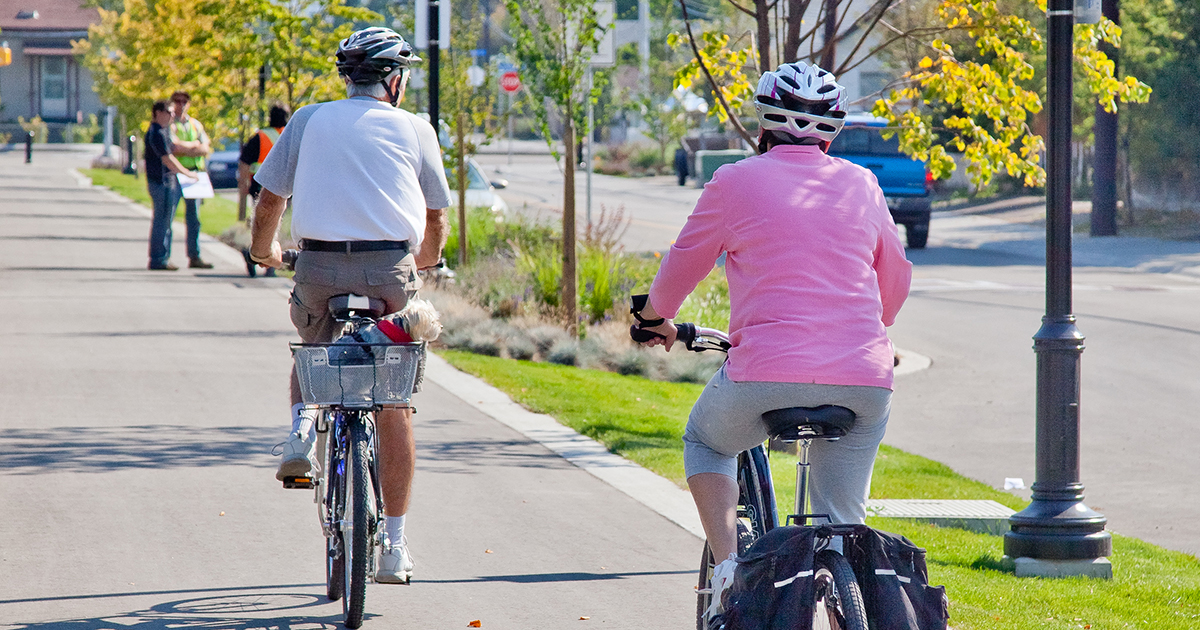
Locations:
(192, 220)
(165, 197)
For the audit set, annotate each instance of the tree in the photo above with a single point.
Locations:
(214, 49)
(553, 44)
(989, 86)
(472, 109)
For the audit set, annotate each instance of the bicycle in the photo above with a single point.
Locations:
(838, 601)
(348, 383)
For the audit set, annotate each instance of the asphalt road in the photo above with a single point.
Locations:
(136, 481)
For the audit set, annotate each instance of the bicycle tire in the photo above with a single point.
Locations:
(335, 504)
(356, 552)
(757, 515)
(848, 612)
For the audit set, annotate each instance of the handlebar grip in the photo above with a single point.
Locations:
(289, 259)
(685, 334)
(641, 335)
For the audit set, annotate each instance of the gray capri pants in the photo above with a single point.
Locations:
(727, 419)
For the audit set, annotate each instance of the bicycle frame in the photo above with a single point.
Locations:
(333, 445)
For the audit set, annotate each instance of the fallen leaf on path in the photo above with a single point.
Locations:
(221, 514)
(584, 618)
(475, 624)
(488, 551)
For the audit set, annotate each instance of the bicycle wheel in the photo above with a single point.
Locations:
(335, 509)
(357, 524)
(756, 516)
(837, 598)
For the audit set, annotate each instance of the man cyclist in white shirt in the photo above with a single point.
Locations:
(369, 196)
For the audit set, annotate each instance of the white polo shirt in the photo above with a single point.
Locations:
(359, 170)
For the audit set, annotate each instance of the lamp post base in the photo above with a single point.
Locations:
(1099, 568)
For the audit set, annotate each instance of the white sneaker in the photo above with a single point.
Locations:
(297, 454)
(395, 564)
(722, 578)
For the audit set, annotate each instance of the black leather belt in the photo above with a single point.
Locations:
(348, 247)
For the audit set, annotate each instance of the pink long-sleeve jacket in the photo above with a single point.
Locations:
(815, 266)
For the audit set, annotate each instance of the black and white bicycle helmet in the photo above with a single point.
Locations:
(370, 55)
(801, 101)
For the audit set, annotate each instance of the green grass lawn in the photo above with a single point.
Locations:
(643, 421)
(216, 214)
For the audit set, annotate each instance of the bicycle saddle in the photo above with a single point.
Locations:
(801, 423)
(344, 307)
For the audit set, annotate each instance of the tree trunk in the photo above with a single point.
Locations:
(795, 19)
(461, 169)
(568, 228)
(829, 54)
(762, 14)
(1104, 169)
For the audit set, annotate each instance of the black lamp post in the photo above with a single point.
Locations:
(434, 47)
(1057, 526)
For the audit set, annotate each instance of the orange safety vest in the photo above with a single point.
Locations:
(266, 140)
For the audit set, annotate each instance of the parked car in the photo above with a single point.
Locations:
(222, 169)
(481, 191)
(906, 182)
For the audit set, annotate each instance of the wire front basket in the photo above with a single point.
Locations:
(357, 375)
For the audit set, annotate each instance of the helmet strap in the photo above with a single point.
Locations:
(393, 97)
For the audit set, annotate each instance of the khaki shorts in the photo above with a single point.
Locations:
(389, 275)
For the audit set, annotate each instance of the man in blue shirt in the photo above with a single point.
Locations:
(161, 167)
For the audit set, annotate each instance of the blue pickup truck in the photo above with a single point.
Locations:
(905, 181)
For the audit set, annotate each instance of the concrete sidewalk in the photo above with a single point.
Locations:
(135, 470)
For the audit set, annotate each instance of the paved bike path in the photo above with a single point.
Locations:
(136, 480)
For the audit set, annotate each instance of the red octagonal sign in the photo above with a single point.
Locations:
(510, 81)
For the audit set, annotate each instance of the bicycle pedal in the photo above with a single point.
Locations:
(304, 482)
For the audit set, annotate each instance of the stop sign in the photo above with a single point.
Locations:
(510, 81)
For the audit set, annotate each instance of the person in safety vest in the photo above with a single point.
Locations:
(253, 154)
(191, 145)
(255, 151)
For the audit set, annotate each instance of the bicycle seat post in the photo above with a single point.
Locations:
(802, 482)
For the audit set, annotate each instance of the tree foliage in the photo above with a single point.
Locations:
(973, 90)
(214, 49)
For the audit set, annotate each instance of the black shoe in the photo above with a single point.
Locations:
(164, 267)
(251, 266)
(197, 263)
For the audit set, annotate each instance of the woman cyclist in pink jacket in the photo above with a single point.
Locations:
(816, 271)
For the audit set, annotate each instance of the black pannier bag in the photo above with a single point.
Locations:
(773, 584)
(895, 583)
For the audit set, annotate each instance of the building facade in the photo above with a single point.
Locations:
(45, 79)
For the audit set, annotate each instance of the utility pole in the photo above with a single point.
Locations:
(1057, 535)
(1104, 170)
(434, 47)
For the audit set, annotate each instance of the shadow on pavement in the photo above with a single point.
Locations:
(536, 578)
(106, 449)
(217, 612)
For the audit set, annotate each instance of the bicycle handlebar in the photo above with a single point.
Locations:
(695, 338)
(289, 259)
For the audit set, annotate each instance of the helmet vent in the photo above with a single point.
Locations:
(826, 88)
(776, 118)
(824, 127)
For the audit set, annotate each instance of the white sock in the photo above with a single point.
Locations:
(301, 421)
(394, 527)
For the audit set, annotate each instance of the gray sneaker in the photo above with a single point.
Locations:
(395, 564)
(297, 454)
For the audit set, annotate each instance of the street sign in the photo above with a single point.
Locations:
(510, 81)
(606, 49)
(476, 76)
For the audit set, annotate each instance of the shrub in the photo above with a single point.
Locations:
(646, 158)
(564, 352)
(41, 132)
(520, 347)
(82, 133)
(545, 337)
(631, 362)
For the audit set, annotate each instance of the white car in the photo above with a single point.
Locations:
(481, 192)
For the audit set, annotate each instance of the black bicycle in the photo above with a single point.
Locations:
(837, 597)
(348, 382)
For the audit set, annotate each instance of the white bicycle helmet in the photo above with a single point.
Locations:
(801, 101)
(370, 55)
